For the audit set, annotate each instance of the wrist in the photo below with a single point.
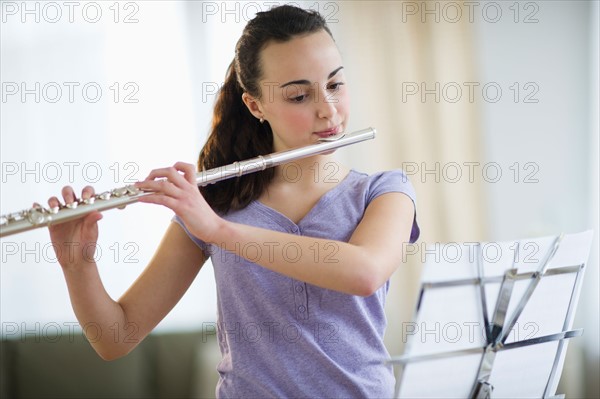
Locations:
(78, 267)
(222, 232)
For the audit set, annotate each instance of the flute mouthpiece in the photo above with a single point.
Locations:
(332, 138)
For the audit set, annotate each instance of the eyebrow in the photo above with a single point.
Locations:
(306, 82)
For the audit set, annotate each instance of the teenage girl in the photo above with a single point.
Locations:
(302, 255)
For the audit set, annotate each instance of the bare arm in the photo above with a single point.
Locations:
(358, 267)
(361, 266)
(123, 324)
(118, 326)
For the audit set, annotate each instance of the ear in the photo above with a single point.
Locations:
(254, 105)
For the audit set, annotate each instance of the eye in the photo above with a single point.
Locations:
(298, 99)
(335, 86)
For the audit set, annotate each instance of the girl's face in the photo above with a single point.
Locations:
(304, 92)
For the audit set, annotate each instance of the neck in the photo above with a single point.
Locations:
(311, 171)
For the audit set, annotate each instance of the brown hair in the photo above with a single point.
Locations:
(236, 134)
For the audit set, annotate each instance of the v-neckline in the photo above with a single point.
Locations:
(321, 202)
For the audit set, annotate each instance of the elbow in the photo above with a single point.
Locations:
(369, 280)
(367, 286)
(110, 354)
(109, 357)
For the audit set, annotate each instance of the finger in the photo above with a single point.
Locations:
(159, 199)
(162, 186)
(91, 219)
(87, 192)
(89, 226)
(160, 173)
(53, 202)
(171, 174)
(68, 194)
(189, 171)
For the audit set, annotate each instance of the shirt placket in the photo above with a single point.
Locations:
(300, 292)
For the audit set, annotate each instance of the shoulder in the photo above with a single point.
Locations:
(391, 181)
(379, 183)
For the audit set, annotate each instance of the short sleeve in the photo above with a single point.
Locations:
(201, 244)
(395, 181)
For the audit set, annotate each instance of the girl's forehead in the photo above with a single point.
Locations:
(314, 54)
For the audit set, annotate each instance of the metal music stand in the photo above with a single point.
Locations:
(493, 319)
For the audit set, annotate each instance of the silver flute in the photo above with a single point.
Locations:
(39, 216)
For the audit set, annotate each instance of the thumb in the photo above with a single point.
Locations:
(92, 219)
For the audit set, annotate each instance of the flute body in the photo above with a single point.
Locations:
(39, 216)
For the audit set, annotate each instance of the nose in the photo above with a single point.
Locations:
(326, 104)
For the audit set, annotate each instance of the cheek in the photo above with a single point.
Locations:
(344, 102)
(294, 117)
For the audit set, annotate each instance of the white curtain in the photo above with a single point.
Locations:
(532, 115)
(391, 61)
(100, 100)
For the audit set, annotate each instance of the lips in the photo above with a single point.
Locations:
(329, 132)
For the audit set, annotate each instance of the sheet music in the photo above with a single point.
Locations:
(447, 339)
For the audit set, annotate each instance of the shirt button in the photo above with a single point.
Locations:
(301, 308)
(299, 288)
(295, 229)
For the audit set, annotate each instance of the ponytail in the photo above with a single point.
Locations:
(236, 135)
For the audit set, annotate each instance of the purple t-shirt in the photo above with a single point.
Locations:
(280, 337)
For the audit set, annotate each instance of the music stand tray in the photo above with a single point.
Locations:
(493, 320)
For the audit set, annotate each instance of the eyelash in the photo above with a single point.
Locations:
(302, 98)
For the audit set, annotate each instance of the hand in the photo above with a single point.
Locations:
(75, 242)
(178, 191)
